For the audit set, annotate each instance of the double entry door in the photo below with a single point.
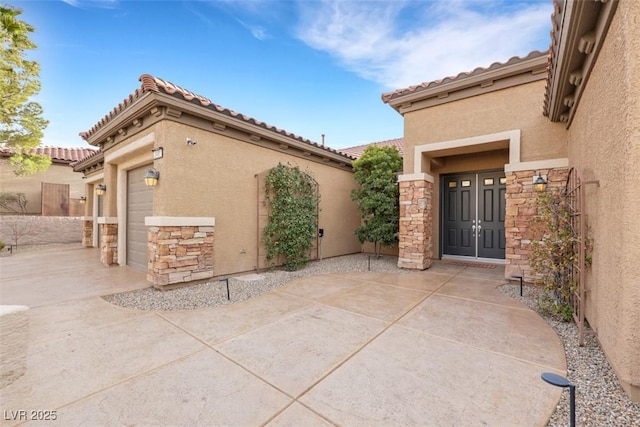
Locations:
(473, 214)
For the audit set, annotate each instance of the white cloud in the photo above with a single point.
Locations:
(257, 31)
(86, 4)
(398, 44)
(248, 12)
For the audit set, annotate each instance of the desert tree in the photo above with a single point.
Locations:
(21, 121)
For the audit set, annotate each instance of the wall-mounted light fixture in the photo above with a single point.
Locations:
(83, 200)
(100, 189)
(540, 184)
(151, 178)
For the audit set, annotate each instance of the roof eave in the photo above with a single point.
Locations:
(575, 46)
(482, 82)
(88, 162)
(255, 130)
(102, 130)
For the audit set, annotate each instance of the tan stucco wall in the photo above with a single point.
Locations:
(604, 145)
(216, 178)
(514, 108)
(31, 184)
(518, 107)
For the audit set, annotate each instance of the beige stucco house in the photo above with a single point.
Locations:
(475, 143)
(205, 215)
(56, 191)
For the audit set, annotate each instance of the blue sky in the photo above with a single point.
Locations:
(308, 66)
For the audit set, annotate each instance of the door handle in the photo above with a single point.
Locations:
(479, 229)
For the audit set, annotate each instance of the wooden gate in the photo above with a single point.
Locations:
(55, 199)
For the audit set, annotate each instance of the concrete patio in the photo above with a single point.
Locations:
(439, 347)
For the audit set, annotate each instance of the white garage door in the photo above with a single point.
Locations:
(139, 205)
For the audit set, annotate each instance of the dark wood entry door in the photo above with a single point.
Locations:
(473, 215)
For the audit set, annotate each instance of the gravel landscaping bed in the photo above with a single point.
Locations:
(214, 293)
(600, 400)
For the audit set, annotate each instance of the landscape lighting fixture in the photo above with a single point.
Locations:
(558, 381)
(151, 178)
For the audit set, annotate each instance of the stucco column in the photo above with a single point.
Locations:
(415, 239)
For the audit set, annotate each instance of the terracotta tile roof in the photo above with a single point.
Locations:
(556, 20)
(151, 84)
(57, 154)
(359, 149)
(92, 154)
(388, 96)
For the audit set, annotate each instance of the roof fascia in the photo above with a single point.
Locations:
(151, 103)
(489, 81)
(256, 132)
(131, 112)
(584, 27)
(89, 162)
(489, 87)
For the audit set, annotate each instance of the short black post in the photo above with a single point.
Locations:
(519, 277)
(369, 262)
(559, 381)
(520, 285)
(572, 405)
(226, 279)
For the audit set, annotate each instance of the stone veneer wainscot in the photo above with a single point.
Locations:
(521, 214)
(108, 240)
(180, 250)
(87, 233)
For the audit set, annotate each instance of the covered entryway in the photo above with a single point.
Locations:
(473, 215)
(139, 206)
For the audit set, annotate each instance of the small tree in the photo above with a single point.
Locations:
(21, 122)
(293, 219)
(378, 196)
(23, 226)
(17, 199)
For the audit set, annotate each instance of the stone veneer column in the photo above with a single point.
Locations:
(415, 239)
(180, 250)
(520, 216)
(87, 232)
(108, 240)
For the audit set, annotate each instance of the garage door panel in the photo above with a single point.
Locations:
(139, 206)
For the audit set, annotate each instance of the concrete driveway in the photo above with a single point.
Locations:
(441, 347)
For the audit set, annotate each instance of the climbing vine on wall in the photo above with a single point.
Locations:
(553, 252)
(293, 199)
